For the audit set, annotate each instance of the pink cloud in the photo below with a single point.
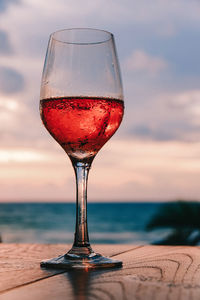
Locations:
(140, 61)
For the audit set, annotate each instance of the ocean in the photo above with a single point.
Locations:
(55, 222)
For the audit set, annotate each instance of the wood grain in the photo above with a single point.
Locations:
(149, 272)
(20, 263)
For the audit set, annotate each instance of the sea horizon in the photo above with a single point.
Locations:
(54, 222)
(97, 201)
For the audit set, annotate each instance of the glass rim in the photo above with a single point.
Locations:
(108, 36)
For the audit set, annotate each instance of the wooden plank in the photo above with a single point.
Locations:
(20, 263)
(149, 272)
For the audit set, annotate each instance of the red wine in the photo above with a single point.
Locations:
(81, 125)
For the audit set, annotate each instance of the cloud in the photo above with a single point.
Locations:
(159, 133)
(5, 46)
(168, 117)
(5, 3)
(22, 156)
(187, 102)
(139, 61)
(186, 99)
(167, 130)
(11, 81)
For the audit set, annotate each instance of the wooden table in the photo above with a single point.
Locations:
(149, 272)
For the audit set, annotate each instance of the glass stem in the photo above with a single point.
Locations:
(81, 244)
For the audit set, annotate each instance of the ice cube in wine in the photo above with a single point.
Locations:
(81, 125)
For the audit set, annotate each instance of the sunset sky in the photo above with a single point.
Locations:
(155, 155)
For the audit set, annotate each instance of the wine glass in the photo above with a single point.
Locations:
(81, 105)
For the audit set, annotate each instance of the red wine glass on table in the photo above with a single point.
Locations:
(81, 105)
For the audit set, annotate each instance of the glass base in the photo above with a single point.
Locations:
(70, 261)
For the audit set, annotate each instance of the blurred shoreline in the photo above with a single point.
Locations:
(55, 222)
(169, 223)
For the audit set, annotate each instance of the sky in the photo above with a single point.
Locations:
(155, 154)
